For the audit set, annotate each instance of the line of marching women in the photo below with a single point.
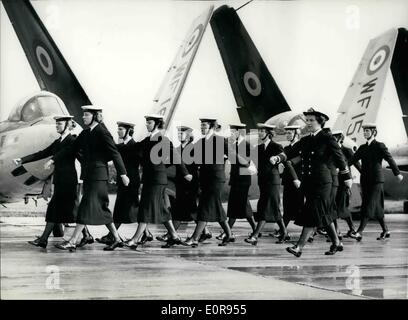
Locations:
(316, 182)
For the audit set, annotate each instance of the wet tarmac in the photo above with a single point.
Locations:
(364, 270)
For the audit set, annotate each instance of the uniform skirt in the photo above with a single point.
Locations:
(154, 204)
(126, 205)
(185, 207)
(342, 202)
(94, 206)
(238, 204)
(268, 203)
(316, 210)
(372, 205)
(333, 203)
(63, 205)
(292, 202)
(209, 205)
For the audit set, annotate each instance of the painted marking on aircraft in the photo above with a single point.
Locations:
(252, 83)
(18, 171)
(195, 36)
(378, 59)
(44, 60)
(31, 180)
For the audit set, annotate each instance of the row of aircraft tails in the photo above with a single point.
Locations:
(30, 126)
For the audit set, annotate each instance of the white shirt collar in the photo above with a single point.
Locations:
(294, 142)
(64, 135)
(127, 139)
(209, 134)
(266, 142)
(317, 131)
(369, 141)
(93, 125)
(154, 133)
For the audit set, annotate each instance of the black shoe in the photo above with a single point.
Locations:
(39, 243)
(283, 238)
(252, 240)
(350, 234)
(132, 246)
(205, 236)
(220, 236)
(147, 238)
(105, 239)
(66, 245)
(340, 247)
(333, 249)
(171, 242)
(224, 242)
(384, 235)
(356, 236)
(311, 239)
(113, 246)
(163, 238)
(295, 251)
(321, 231)
(340, 236)
(189, 242)
(85, 240)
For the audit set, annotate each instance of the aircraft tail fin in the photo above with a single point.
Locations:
(256, 93)
(399, 70)
(167, 97)
(48, 64)
(363, 97)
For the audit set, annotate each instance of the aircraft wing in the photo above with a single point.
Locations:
(166, 99)
(363, 97)
(49, 66)
(256, 93)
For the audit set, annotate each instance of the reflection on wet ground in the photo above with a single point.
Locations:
(366, 269)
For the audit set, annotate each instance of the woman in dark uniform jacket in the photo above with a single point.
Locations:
(209, 152)
(270, 154)
(186, 191)
(316, 152)
(96, 147)
(371, 155)
(127, 197)
(292, 195)
(62, 206)
(238, 204)
(156, 152)
(343, 193)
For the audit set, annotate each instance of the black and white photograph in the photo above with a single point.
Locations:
(187, 150)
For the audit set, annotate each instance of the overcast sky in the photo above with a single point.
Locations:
(120, 51)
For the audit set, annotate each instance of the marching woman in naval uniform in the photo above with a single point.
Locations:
(209, 152)
(64, 201)
(156, 152)
(96, 148)
(343, 193)
(371, 155)
(270, 154)
(292, 195)
(316, 152)
(240, 181)
(127, 198)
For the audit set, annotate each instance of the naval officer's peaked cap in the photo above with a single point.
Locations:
(91, 107)
(237, 126)
(125, 124)
(313, 112)
(63, 117)
(369, 125)
(266, 126)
